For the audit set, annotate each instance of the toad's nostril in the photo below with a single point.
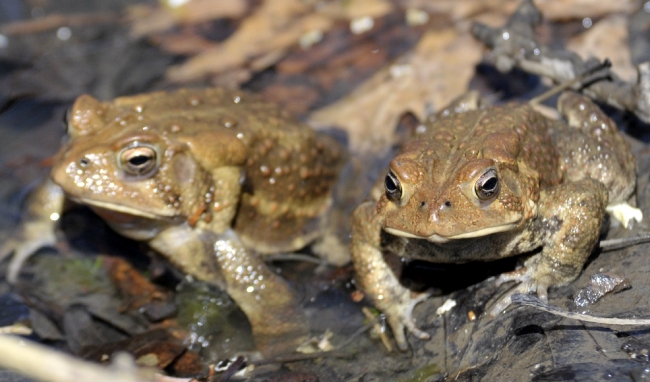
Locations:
(423, 204)
(448, 204)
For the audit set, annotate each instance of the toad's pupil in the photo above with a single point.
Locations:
(490, 184)
(390, 184)
(139, 160)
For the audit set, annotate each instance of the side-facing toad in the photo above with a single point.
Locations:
(487, 183)
(208, 178)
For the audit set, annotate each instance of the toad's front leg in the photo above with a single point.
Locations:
(377, 280)
(278, 322)
(570, 219)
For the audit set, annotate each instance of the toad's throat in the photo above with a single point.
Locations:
(436, 238)
(118, 209)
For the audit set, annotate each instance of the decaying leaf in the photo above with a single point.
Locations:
(147, 21)
(554, 10)
(435, 73)
(607, 39)
(263, 37)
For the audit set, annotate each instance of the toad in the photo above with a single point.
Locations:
(211, 179)
(484, 183)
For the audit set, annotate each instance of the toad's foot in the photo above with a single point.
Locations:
(529, 284)
(400, 317)
(624, 212)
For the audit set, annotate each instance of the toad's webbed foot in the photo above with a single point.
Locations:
(400, 317)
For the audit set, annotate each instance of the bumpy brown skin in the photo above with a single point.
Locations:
(216, 177)
(555, 180)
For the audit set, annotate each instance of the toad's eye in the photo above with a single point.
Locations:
(487, 186)
(393, 187)
(138, 160)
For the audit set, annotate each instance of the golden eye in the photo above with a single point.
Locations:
(393, 187)
(487, 186)
(138, 160)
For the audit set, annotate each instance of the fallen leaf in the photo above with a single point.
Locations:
(553, 10)
(608, 38)
(436, 72)
(275, 26)
(147, 20)
(264, 37)
(136, 289)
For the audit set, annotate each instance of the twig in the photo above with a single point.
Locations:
(293, 257)
(514, 45)
(613, 244)
(530, 300)
(44, 364)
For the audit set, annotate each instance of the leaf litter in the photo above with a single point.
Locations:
(266, 45)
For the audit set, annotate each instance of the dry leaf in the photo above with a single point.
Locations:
(147, 21)
(608, 38)
(557, 10)
(275, 26)
(365, 8)
(435, 73)
(269, 32)
(553, 10)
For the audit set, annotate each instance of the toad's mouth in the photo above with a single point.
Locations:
(112, 211)
(439, 239)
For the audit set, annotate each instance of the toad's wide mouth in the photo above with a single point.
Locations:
(107, 210)
(438, 239)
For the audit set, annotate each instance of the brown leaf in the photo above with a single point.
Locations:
(435, 73)
(187, 364)
(553, 10)
(148, 21)
(275, 26)
(155, 348)
(136, 289)
(608, 38)
(264, 37)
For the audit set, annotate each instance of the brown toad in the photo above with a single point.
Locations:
(208, 178)
(487, 183)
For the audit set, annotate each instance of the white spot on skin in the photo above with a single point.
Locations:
(586, 22)
(505, 35)
(54, 216)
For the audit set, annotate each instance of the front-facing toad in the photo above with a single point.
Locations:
(208, 178)
(487, 183)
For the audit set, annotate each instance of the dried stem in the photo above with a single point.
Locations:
(44, 364)
(514, 45)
